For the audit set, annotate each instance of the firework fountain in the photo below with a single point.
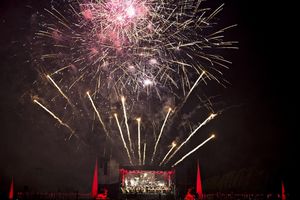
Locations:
(128, 66)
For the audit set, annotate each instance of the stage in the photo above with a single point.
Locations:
(147, 180)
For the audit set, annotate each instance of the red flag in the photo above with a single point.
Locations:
(11, 191)
(283, 197)
(198, 183)
(95, 181)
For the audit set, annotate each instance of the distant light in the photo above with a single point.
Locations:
(161, 184)
(153, 61)
(149, 26)
(131, 67)
(138, 119)
(130, 11)
(173, 144)
(212, 115)
(120, 18)
(148, 82)
(213, 135)
(122, 98)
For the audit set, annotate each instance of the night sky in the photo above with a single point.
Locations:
(257, 129)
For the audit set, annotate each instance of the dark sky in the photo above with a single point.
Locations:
(258, 130)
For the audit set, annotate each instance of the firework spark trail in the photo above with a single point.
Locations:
(122, 137)
(139, 140)
(190, 91)
(60, 70)
(55, 117)
(193, 87)
(190, 136)
(192, 151)
(186, 97)
(173, 146)
(144, 156)
(60, 91)
(161, 131)
(126, 124)
(98, 114)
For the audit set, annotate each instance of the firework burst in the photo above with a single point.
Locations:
(153, 53)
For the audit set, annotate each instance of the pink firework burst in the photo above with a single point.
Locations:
(115, 20)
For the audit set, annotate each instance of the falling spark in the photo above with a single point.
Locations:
(55, 117)
(98, 114)
(144, 156)
(139, 140)
(60, 91)
(193, 87)
(191, 134)
(122, 137)
(173, 146)
(126, 124)
(148, 82)
(161, 131)
(195, 149)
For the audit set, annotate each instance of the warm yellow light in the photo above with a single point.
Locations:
(212, 115)
(122, 98)
(173, 144)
